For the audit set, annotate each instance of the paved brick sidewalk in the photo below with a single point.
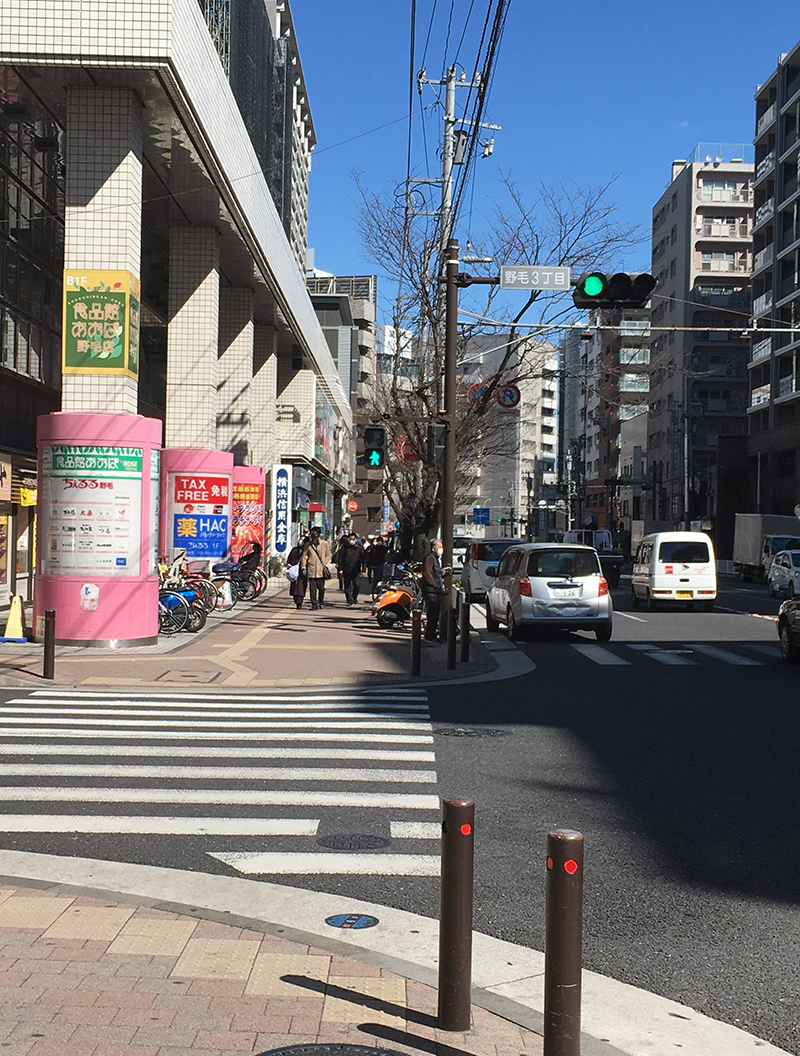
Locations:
(82, 976)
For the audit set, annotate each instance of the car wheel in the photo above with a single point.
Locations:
(512, 625)
(772, 591)
(790, 590)
(790, 651)
(636, 601)
(491, 623)
(603, 634)
(651, 603)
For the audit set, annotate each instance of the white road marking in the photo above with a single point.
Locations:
(224, 698)
(52, 705)
(221, 773)
(171, 751)
(598, 655)
(152, 826)
(180, 717)
(630, 616)
(254, 797)
(725, 655)
(261, 862)
(415, 830)
(220, 735)
(761, 647)
(194, 724)
(661, 655)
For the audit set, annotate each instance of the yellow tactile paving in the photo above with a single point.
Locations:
(265, 979)
(341, 1010)
(90, 922)
(216, 959)
(153, 938)
(21, 912)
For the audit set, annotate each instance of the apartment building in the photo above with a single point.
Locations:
(773, 446)
(702, 261)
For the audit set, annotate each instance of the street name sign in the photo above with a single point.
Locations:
(533, 277)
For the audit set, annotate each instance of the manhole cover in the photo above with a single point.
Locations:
(329, 1050)
(470, 731)
(189, 676)
(351, 921)
(343, 841)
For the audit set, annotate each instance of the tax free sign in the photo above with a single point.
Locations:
(200, 520)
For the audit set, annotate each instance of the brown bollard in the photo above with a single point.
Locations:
(465, 632)
(49, 656)
(455, 915)
(452, 635)
(562, 950)
(416, 643)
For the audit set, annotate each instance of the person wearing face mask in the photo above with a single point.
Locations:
(433, 589)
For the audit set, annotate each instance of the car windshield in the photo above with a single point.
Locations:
(796, 559)
(492, 551)
(683, 552)
(563, 563)
(784, 542)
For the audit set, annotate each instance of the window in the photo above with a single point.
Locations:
(490, 552)
(566, 562)
(684, 552)
(675, 201)
(673, 237)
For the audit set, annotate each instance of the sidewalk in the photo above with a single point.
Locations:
(264, 644)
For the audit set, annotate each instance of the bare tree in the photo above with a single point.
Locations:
(573, 227)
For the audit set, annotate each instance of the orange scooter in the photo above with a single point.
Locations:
(394, 604)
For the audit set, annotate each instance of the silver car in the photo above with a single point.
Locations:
(550, 585)
(784, 574)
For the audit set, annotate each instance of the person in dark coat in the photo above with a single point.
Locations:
(376, 560)
(297, 587)
(433, 589)
(349, 561)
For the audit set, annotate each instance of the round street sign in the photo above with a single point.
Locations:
(476, 391)
(406, 451)
(352, 505)
(508, 396)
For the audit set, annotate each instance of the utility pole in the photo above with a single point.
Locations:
(448, 411)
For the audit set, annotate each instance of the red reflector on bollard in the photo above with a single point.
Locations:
(549, 863)
(570, 866)
(466, 829)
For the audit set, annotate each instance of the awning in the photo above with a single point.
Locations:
(317, 507)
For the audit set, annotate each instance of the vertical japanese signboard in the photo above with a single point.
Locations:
(91, 509)
(155, 474)
(100, 332)
(281, 514)
(200, 514)
(247, 519)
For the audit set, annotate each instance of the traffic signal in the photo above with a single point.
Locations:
(595, 289)
(374, 447)
(435, 443)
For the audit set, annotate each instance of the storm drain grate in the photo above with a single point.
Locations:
(330, 1050)
(344, 841)
(470, 731)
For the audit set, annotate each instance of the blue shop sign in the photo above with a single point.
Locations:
(201, 535)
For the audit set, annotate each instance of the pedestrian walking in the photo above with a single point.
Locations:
(350, 561)
(297, 587)
(433, 589)
(376, 560)
(314, 562)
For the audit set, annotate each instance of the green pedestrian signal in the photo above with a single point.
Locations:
(375, 457)
(374, 447)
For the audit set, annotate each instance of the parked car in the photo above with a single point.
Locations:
(549, 585)
(784, 574)
(674, 567)
(460, 547)
(482, 554)
(789, 630)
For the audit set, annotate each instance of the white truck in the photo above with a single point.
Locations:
(757, 537)
(611, 560)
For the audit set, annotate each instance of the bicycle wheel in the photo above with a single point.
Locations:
(261, 580)
(197, 618)
(246, 584)
(206, 594)
(173, 612)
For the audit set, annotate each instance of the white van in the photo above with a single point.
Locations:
(676, 567)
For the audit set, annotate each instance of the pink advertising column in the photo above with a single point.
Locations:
(249, 485)
(196, 495)
(98, 527)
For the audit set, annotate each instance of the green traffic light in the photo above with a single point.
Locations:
(593, 285)
(375, 457)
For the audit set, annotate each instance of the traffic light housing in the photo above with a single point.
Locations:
(374, 447)
(623, 289)
(434, 451)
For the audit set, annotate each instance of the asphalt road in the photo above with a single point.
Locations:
(673, 748)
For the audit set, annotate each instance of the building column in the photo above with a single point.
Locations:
(263, 428)
(235, 373)
(192, 338)
(103, 221)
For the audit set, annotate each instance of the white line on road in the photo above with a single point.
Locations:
(192, 724)
(598, 655)
(630, 616)
(725, 655)
(400, 711)
(151, 826)
(219, 735)
(256, 862)
(661, 655)
(224, 698)
(761, 647)
(415, 830)
(301, 798)
(221, 773)
(171, 751)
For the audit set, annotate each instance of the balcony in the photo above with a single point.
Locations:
(763, 257)
(786, 386)
(760, 396)
(723, 195)
(722, 407)
(763, 303)
(734, 300)
(724, 265)
(765, 165)
(764, 211)
(761, 350)
(766, 119)
(740, 231)
(634, 328)
(789, 188)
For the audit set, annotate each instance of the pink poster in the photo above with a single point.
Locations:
(248, 518)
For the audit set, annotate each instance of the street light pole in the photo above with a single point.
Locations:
(448, 411)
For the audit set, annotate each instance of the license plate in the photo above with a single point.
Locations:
(570, 592)
(686, 595)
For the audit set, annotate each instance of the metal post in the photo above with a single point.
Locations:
(562, 951)
(49, 662)
(455, 915)
(416, 642)
(448, 412)
(465, 627)
(452, 634)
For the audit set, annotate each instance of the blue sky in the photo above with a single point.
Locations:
(583, 91)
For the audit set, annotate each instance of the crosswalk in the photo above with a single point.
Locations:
(253, 781)
(691, 654)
